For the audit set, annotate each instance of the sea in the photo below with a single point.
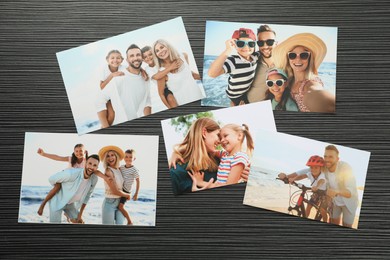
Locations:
(142, 211)
(215, 87)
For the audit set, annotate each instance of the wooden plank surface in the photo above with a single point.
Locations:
(210, 224)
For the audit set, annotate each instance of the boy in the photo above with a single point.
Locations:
(241, 67)
(318, 185)
(129, 173)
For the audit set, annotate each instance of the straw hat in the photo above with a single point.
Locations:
(114, 148)
(308, 40)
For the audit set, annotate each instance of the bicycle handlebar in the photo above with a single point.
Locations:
(299, 185)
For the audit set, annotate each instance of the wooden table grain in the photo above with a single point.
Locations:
(210, 224)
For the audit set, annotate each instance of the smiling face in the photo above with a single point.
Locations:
(275, 89)
(331, 158)
(315, 170)
(298, 64)
(90, 167)
(148, 58)
(79, 152)
(161, 51)
(211, 139)
(114, 61)
(230, 139)
(245, 51)
(129, 159)
(266, 51)
(111, 159)
(134, 58)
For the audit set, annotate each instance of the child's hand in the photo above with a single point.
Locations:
(135, 197)
(117, 73)
(245, 173)
(175, 65)
(291, 180)
(282, 175)
(175, 157)
(230, 46)
(128, 197)
(40, 151)
(144, 75)
(314, 188)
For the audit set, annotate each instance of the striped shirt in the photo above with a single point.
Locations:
(242, 73)
(129, 175)
(228, 162)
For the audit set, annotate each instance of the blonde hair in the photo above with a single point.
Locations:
(105, 159)
(193, 148)
(113, 51)
(244, 130)
(311, 71)
(173, 53)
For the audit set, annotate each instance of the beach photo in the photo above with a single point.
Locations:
(89, 179)
(214, 148)
(293, 66)
(307, 178)
(130, 75)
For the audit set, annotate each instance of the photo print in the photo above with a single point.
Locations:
(89, 179)
(293, 66)
(307, 178)
(131, 75)
(214, 148)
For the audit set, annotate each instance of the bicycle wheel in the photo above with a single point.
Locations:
(296, 211)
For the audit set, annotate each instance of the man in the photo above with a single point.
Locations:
(77, 185)
(266, 41)
(341, 186)
(129, 94)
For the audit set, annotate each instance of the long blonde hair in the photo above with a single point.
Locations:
(193, 148)
(244, 130)
(173, 53)
(311, 71)
(105, 159)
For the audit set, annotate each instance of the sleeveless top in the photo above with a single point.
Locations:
(119, 183)
(76, 165)
(298, 97)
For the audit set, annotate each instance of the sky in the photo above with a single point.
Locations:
(257, 116)
(81, 66)
(37, 169)
(218, 32)
(287, 153)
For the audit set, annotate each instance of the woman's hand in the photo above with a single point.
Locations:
(245, 173)
(198, 177)
(40, 151)
(175, 157)
(175, 65)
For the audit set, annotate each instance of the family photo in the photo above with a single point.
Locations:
(307, 178)
(131, 75)
(293, 66)
(214, 148)
(92, 179)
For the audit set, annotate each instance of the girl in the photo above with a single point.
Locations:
(233, 160)
(152, 70)
(181, 81)
(276, 81)
(76, 160)
(114, 69)
(300, 56)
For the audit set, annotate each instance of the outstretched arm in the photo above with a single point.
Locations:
(216, 68)
(53, 156)
(319, 100)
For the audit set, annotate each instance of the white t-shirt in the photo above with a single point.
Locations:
(80, 192)
(129, 95)
(157, 104)
(314, 182)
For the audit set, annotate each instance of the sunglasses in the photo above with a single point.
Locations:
(269, 42)
(303, 55)
(241, 44)
(278, 82)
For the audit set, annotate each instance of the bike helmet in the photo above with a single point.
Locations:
(315, 160)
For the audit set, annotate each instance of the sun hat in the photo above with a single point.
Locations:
(114, 148)
(244, 33)
(314, 43)
(276, 71)
(315, 160)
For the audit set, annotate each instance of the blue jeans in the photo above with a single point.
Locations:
(69, 209)
(110, 212)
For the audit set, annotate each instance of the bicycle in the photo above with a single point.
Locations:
(297, 206)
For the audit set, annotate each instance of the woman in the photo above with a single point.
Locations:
(111, 156)
(181, 81)
(300, 56)
(196, 153)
